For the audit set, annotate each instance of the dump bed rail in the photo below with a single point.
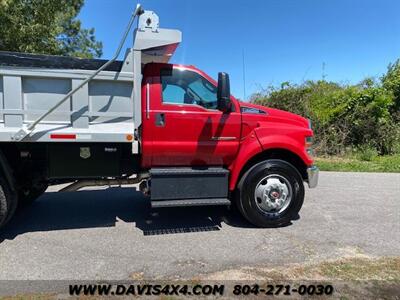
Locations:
(27, 60)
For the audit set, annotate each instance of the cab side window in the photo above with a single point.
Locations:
(187, 87)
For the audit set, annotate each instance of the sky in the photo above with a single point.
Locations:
(280, 40)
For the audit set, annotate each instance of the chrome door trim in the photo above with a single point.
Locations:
(223, 138)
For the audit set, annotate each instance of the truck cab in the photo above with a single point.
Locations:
(186, 123)
(171, 129)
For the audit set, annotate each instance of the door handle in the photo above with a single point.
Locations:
(160, 120)
(223, 138)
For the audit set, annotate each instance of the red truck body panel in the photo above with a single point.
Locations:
(192, 135)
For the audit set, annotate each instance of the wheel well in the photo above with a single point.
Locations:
(25, 170)
(282, 154)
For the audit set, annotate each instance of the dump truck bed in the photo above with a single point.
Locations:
(32, 84)
(106, 108)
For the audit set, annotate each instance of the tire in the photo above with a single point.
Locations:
(270, 194)
(8, 202)
(27, 196)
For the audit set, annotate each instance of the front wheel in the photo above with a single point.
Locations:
(271, 193)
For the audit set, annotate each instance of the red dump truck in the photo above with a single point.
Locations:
(171, 129)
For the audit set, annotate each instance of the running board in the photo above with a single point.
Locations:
(190, 202)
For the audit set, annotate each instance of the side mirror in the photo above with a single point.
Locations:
(224, 93)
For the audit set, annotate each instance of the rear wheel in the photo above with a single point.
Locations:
(8, 202)
(270, 193)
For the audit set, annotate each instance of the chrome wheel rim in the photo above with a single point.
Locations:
(273, 194)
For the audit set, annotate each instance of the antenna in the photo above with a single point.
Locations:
(323, 71)
(244, 76)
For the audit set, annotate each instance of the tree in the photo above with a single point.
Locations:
(391, 82)
(46, 27)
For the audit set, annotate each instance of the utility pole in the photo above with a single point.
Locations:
(323, 71)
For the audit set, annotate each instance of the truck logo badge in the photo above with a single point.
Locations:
(85, 152)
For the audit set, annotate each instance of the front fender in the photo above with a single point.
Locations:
(288, 141)
(249, 147)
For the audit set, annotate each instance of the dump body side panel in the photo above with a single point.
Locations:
(101, 111)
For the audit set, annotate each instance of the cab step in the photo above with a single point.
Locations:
(190, 202)
(200, 184)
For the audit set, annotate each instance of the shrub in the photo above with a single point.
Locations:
(365, 116)
(367, 153)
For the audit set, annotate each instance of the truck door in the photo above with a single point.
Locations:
(182, 121)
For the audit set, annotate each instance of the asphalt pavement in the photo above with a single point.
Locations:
(113, 234)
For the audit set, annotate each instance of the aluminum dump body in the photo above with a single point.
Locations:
(31, 84)
(106, 109)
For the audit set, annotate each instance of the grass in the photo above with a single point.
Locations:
(387, 268)
(358, 268)
(360, 277)
(352, 278)
(348, 269)
(390, 164)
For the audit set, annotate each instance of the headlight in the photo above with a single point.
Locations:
(308, 144)
(309, 141)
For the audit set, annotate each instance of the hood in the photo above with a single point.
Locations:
(263, 113)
